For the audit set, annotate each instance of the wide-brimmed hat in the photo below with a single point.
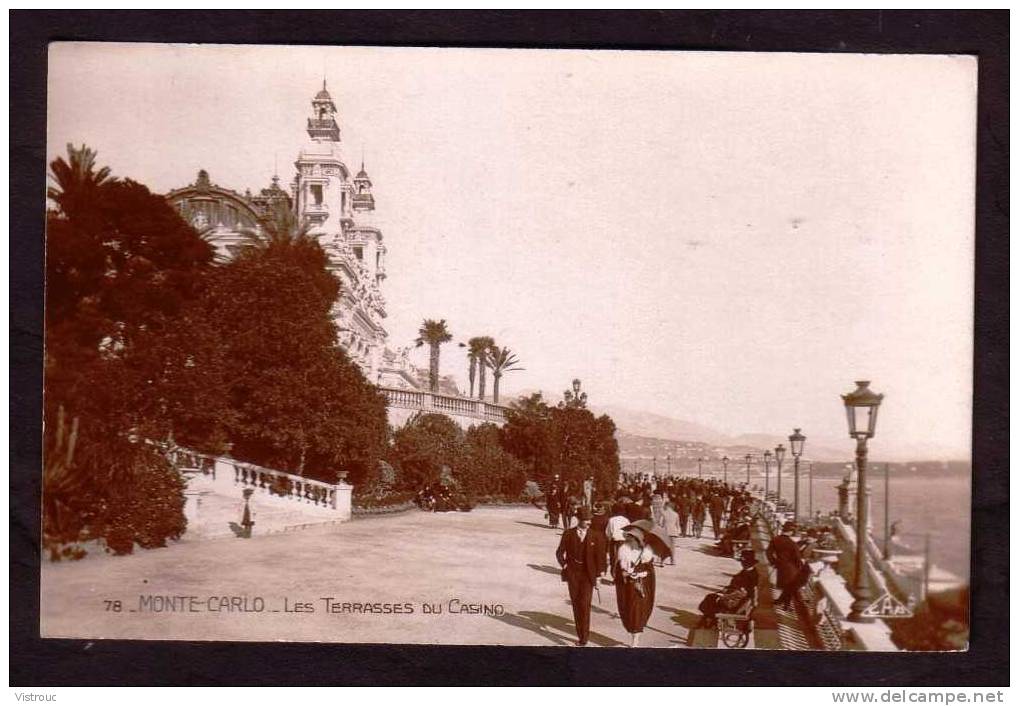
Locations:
(635, 532)
(584, 514)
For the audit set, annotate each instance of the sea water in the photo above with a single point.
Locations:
(934, 507)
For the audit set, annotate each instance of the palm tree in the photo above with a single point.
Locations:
(280, 231)
(485, 344)
(476, 351)
(502, 361)
(434, 333)
(77, 180)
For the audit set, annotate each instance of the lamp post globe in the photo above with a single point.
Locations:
(796, 440)
(861, 415)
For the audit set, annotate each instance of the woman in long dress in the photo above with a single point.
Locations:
(635, 584)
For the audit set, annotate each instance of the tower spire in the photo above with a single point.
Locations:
(322, 123)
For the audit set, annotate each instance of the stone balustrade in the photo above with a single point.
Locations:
(228, 474)
(450, 405)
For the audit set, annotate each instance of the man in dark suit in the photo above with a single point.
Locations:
(684, 506)
(784, 554)
(716, 507)
(582, 554)
(553, 502)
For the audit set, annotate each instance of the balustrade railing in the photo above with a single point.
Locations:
(259, 479)
(285, 485)
(426, 401)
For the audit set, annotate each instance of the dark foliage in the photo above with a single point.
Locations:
(565, 440)
(299, 403)
(121, 268)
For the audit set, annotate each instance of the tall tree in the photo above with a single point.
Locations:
(476, 350)
(485, 344)
(434, 334)
(502, 360)
(565, 440)
(76, 182)
(527, 434)
(120, 362)
(302, 406)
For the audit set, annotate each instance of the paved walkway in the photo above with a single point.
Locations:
(499, 561)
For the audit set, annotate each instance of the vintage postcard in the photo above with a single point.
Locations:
(508, 347)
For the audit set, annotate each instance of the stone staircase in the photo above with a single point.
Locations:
(215, 500)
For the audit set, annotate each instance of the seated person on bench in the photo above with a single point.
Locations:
(739, 531)
(741, 589)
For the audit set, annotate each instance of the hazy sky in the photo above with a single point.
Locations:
(728, 238)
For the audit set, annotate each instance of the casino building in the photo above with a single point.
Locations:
(339, 205)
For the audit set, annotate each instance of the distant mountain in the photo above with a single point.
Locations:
(656, 434)
(816, 449)
(658, 426)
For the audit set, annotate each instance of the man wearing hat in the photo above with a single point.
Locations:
(742, 588)
(784, 554)
(553, 502)
(582, 556)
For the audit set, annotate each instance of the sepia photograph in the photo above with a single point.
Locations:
(508, 347)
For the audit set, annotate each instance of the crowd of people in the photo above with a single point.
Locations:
(624, 538)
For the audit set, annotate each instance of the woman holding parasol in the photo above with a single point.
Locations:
(635, 575)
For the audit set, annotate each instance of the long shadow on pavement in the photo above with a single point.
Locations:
(518, 621)
(683, 618)
(545, 568)
(709, 549)
(534, 524)
(567, 626)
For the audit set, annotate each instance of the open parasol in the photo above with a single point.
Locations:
(654, 536)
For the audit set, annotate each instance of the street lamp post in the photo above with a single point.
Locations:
(861, 413)
(668, 460)
(767, 474)
(779, 455)
(796, 440)
(748, 458)
(700, 459)
(654, 465)
(725, 469)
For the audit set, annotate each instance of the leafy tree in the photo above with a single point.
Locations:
(584, 445)
(527, 435)
(121, 268)
(565, 440)
(434, 334)
(502, 361)
(424, 448)
(301, 404)
(486, 468)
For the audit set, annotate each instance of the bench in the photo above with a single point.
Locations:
(735, 628)
(738, 545)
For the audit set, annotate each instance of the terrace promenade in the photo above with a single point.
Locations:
(491, 572)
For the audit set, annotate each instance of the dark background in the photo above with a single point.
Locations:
(38, 662)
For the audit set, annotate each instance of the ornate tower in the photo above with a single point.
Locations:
(363, 200)
(321, 187)
(341, 211)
